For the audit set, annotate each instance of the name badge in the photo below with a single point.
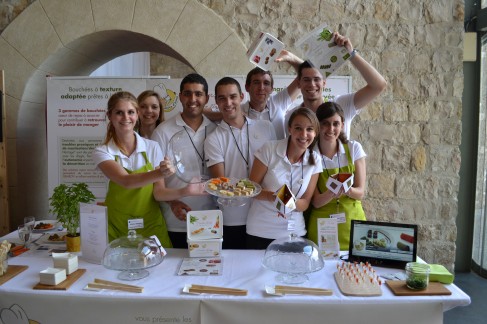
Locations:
(291, 225)
(135, 223)
(340, 217)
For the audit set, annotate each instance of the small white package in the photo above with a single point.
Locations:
(285, 201)
(52, 276)
(340, 180)
(66, 261)
(205, 233)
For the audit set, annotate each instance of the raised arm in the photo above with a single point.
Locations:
(293, 60)
(375, 81)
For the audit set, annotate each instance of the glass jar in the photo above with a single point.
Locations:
(417, 275)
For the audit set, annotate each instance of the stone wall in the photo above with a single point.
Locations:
(412, 132)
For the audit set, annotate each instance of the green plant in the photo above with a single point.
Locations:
(65, 204)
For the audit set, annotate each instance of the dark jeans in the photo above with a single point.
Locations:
(257, 243)
(234, 237)
(178, 240)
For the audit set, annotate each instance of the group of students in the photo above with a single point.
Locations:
(265, 139)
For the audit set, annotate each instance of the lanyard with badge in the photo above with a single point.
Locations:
(238, 147)
(291, 222)
(200, 155)
(339, 216)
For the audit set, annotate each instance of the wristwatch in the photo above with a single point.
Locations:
(352, 54)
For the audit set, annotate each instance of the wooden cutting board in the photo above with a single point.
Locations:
(399, 288)
(70, 279)
(12, 271)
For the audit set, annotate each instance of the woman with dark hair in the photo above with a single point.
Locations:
(338, 156)
(136, 170)
(151, 112)
(290, 161)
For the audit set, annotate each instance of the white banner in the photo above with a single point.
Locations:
(76, 118)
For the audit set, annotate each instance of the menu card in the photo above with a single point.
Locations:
(94, 232)
(200, 267)
(328, 238)
(320, 49)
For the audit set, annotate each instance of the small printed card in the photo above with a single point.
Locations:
(94, 232)
(200, 267)
(328, 238)
(264, 50)
(320, 49)
(340, 180)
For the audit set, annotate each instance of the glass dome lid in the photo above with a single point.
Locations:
(293, 257)
(132, 255)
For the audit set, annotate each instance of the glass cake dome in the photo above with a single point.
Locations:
(293, 257)
(132, 255)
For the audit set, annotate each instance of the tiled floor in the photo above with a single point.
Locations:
(475, 313)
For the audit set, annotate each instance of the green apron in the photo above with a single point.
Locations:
(124, 204)
(351, 207)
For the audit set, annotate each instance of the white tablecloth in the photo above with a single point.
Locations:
(163, 301)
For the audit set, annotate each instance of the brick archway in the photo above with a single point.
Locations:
(71, 38)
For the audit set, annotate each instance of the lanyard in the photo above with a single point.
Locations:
(238, 147)
(328, 173)
(201, 156)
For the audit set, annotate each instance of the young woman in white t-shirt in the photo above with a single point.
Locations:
(291, 161)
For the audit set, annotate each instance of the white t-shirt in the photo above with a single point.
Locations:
(349, 110)
(230, 145)
(275, 111)
(162, 135)
(263, 220)
(133, 162)
(356, 152)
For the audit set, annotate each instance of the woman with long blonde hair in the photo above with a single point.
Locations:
(136, 170)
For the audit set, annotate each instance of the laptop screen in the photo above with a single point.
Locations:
(383, 244)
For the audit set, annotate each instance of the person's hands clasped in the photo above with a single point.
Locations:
(166, 167)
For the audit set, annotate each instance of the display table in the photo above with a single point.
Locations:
(163, 301)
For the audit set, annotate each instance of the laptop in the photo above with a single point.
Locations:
(383, 244)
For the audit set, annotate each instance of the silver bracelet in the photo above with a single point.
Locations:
(355, 51)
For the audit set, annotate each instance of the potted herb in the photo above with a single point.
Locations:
(65, 205)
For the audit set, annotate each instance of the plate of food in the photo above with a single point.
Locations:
(229, 188)
(54, 238)
(45, 226)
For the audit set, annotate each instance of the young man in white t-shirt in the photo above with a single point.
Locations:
(261, 105)
(191, 123)
(230, 153)
(311, 83)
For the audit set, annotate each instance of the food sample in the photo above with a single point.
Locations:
(4, 248)
(43, 226)
(56, 238)
(358, 279)
(223, 187)
(197, 231)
